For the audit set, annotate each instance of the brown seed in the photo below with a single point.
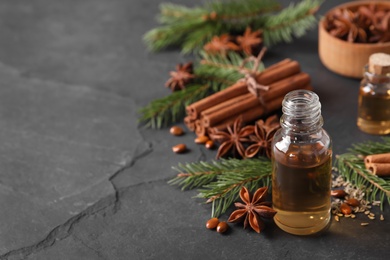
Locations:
(209, 144)
(345, 209)
(212, 223)
(176, 130)
(222, 227)
(353, 202)
(338, 193)
(179, 148)
(201, 139)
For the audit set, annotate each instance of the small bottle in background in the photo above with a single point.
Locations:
(301, 166)
(374, 96)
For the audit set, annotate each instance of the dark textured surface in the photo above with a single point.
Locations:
(80, 180)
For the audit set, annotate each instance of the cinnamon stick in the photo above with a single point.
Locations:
(286, 85)
(248, 102)
(224, 104)
(379, 169)
(377, 158)
(190, 124)
(275, 72)
(200, 130)
(193, 110)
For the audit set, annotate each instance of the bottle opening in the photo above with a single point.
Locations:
(301, 111)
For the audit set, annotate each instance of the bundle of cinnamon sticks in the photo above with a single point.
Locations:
(378, 164)
(222, 108)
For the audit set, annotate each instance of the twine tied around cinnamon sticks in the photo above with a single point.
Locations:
(378, 164)
(249, 78)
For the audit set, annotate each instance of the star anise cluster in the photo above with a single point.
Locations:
(247, 141)
(254, 209)
(367, 24)
(181, 77)
(249, 43)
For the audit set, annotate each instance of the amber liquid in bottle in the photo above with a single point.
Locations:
(301, 182)
(373, 112)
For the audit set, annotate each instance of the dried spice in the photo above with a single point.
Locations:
(176, 130)
(368, 24)
(249, 41)
(179, 148)
(181, 77)
(220, 45)
(233, 139)
(212, 223)
(262, 138)
(222, 227)
(254, 208)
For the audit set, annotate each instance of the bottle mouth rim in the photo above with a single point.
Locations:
(301, 103)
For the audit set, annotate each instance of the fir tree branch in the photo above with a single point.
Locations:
(196, 26)
(220, 181)
(351, 166)
(164, 111)
(292, 21)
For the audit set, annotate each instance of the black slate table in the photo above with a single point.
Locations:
(79, 179)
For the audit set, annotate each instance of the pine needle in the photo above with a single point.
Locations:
(219, 181)
(351, 166)
(190, 28)
(291, 22)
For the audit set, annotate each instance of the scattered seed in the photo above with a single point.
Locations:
(337, 218)
(212, 223)
(347, 216)
(201, 139)
(367, 212)
(371, 214)
(352, 202)
(176, 130)
(340, 215)
(382, 217)
(353, 216)
(345, 209)
(369, 207)
(179, 148)
(338, 193)
(222, 227)
(364, 224)
(371, 217)
(209, 144)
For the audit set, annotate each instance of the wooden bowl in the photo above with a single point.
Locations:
(346, 58)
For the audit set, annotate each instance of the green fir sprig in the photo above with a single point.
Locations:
(219, 182)
(293, 21)
(191, 28)
(351, 166)
(212, 74)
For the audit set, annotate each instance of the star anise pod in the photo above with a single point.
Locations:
(263, 136)
(254, 208)
(220, 44)
(249, 40)
(233, 139)
(347, 25)
(381, 28)
(182, 76)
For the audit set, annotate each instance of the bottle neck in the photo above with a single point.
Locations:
(379, 80)
(301, 113)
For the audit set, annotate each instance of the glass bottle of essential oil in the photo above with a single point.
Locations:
(374, 96)
(302, 163)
